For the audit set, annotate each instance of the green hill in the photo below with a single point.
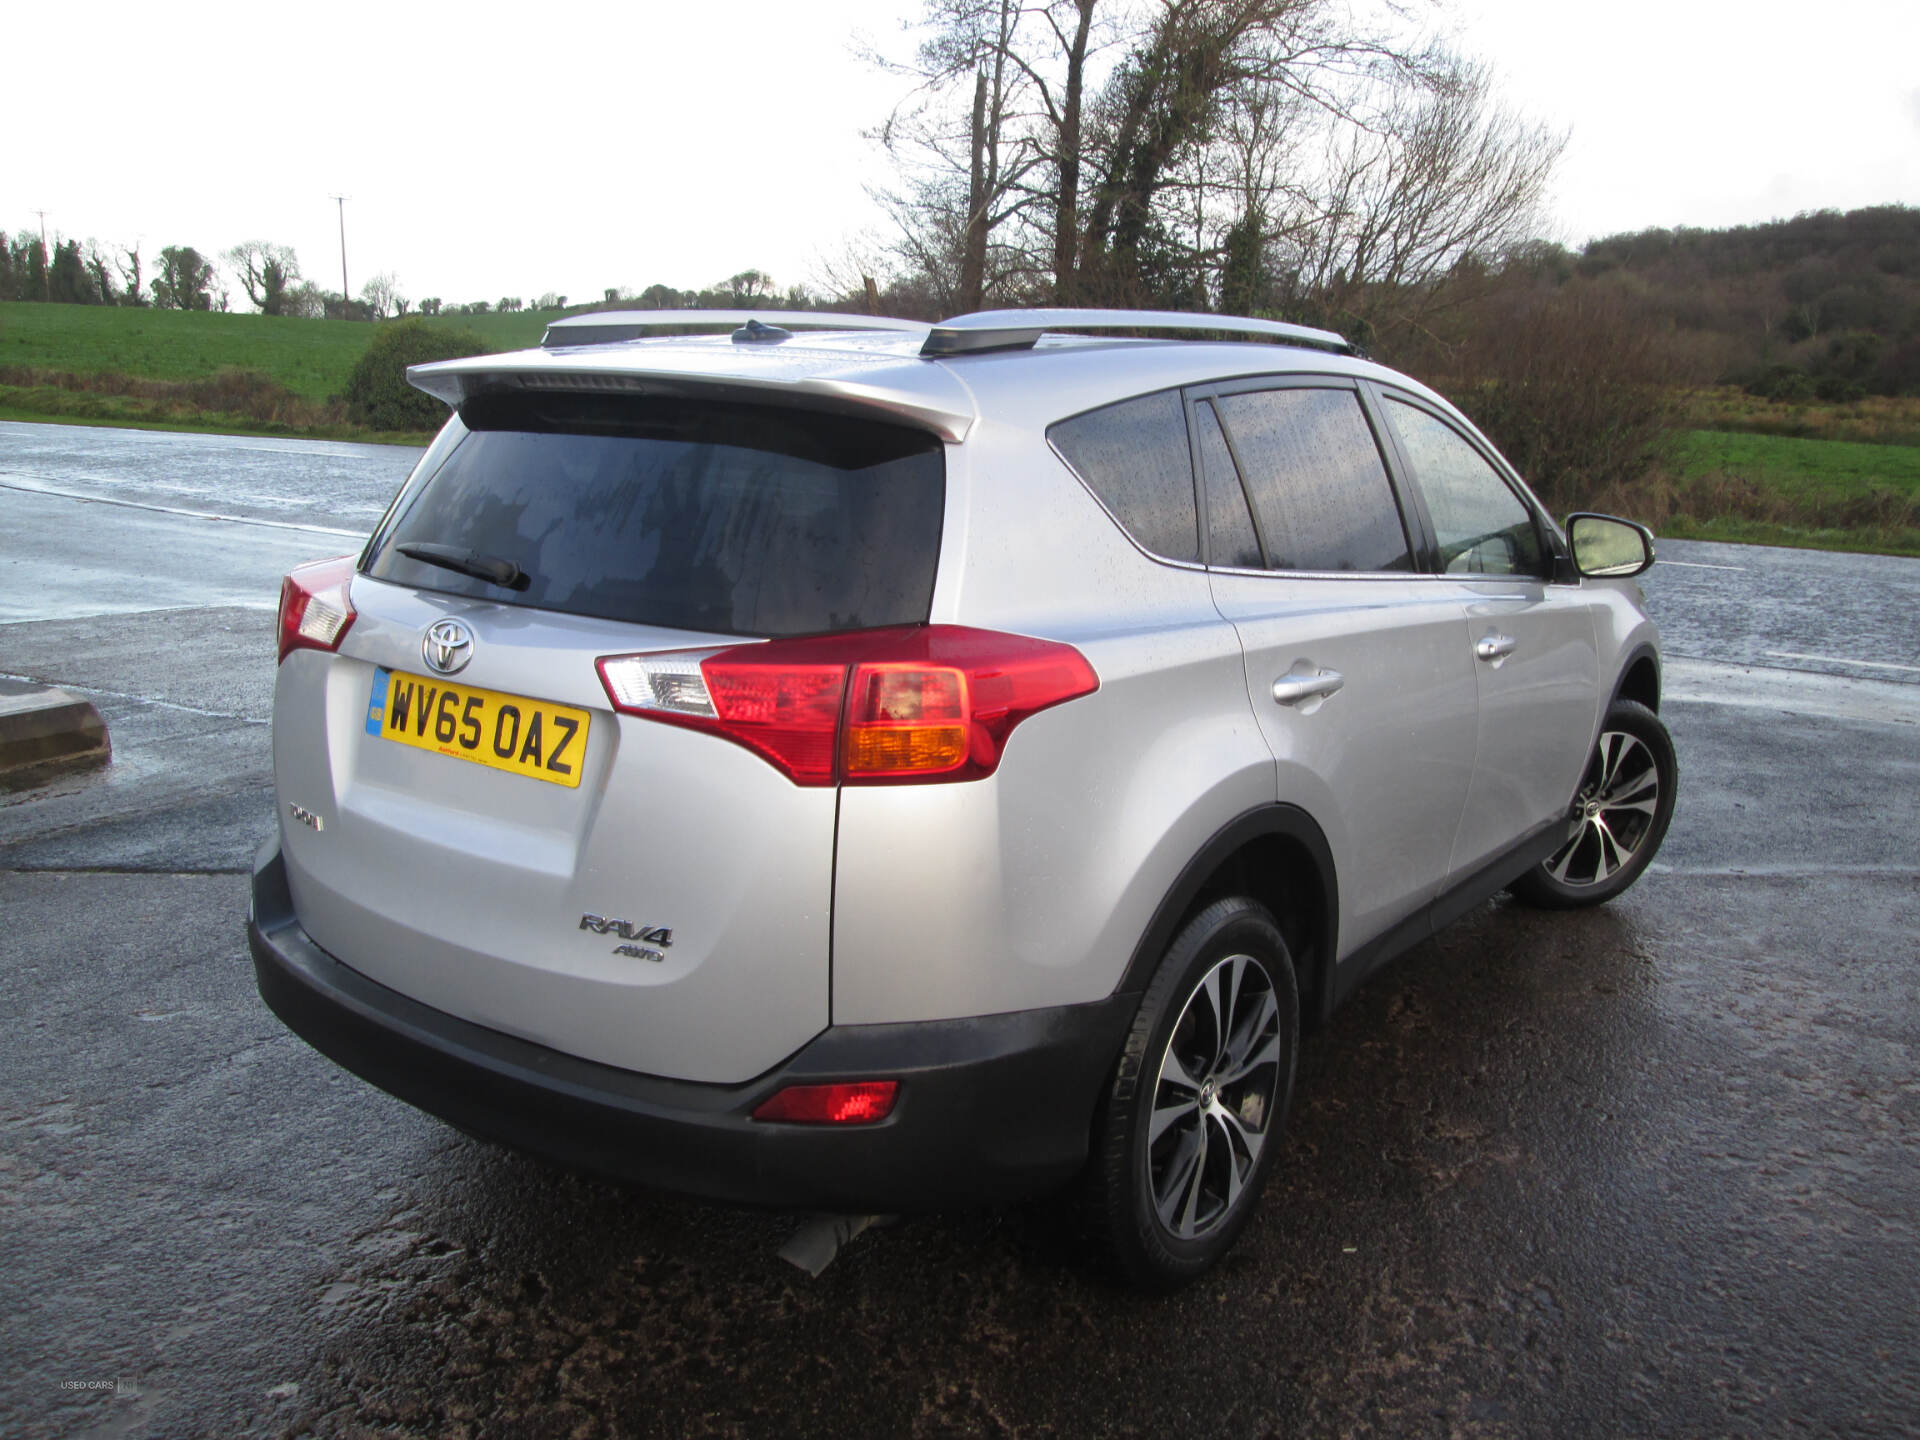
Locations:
(1824, 305)
(199, 370)
(311, 358)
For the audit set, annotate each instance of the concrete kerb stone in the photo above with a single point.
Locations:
(45, 731)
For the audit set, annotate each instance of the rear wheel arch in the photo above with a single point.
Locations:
(1277, 856)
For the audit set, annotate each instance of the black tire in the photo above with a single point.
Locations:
(1614, 826)
(1223, 1099)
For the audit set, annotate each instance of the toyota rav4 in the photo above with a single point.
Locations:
(859, 765)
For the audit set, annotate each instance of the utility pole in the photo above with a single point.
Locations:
(346, 302)
(46, 261)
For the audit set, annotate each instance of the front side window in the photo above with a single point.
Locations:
(1319, 487)
(1134, 456)
(1481, 525)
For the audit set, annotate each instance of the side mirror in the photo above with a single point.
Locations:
(1607, 547)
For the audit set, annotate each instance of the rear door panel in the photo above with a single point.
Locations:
(1385, 762)
(1384, 759)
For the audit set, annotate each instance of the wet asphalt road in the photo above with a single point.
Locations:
(1647, 1170)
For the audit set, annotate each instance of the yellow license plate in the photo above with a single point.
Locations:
(503, 732)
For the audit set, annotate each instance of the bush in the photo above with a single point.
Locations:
(1899, 370)
(1572, 384)
(1786, 383)
(378, 395)
(1838, 390)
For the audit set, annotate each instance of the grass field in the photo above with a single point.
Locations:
(1813, 471)
(1875, 419)
(312, 358)
(1783, 490)
(309, 357)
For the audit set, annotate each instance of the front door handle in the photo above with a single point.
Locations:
(1301, 683)
(1495, 648)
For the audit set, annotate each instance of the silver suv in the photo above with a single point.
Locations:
(901, 766)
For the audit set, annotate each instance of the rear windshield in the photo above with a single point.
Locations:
(740, 520)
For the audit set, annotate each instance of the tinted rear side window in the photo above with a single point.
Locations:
(693, 515)
(1230, 537)
(1319, 488)
(1135, 457)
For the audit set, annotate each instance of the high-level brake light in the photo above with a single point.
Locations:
(315, 613)
(907, 705)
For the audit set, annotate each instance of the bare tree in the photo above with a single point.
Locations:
(128, 264)
(1163, 109)
(1409, 210)
(267, 272)
(1086, 164)
(304, 301)
(969, 143)
(100, 268)
(381, 294)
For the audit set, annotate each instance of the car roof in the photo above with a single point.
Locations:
(886, 370)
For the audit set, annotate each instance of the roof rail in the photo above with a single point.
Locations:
(605, 327)
(1019, 329)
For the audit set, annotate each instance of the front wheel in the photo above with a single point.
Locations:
(1618, 818)
(1189, 1127)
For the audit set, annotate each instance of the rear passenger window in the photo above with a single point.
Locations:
(1319, 488)
(1481, 525)
(1230, 537)
(1134, 456)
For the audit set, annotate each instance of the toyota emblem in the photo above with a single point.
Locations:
(447, 647)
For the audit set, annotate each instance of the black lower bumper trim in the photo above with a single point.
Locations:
(991, 1108)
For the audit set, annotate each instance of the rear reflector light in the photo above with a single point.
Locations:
(859, 1102)
(315, 613)
(914, 704)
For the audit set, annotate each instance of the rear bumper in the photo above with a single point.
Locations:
(991, 1108)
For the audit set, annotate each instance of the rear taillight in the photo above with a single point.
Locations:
(908, 705)
(857, 1102)
(315, 613)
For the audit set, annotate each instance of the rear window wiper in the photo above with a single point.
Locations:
(494, 569)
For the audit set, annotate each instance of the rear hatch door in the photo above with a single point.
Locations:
(494, 839)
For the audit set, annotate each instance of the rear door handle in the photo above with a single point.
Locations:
(1300, 684)
(1495, 647)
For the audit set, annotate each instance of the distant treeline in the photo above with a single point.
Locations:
(70, 273)
(1824, 305)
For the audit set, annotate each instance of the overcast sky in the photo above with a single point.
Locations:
(491, 150)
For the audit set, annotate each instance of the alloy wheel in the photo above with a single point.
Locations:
(1612, 814)
(1213, 1097)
